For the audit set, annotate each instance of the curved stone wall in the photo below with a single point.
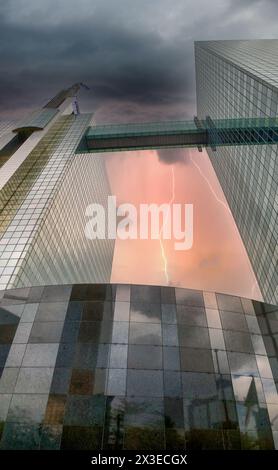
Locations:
(136, 367)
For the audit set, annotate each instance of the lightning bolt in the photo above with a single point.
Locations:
(255, 284)
(163, 254)
(210, 186)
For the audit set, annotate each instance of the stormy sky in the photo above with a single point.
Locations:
(137, 56)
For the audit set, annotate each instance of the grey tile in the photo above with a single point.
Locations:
(233, 321)
(95, 332)
(27, 408)
(69, 330)
(150, 294)
(66, 355)
(144, 357)
(273, 415)
(123, 293)
(145, 312)
(29, 313)
(106, 332)
(51, 311)
(56, 294)
(193, 336)
(15, 355)
(100, 380)
(8, 379)
(168, 295)
(210, 300)
(144, 412)
(270, 391)
(85, 410)
(169, 313)
(191, 316)
(61, 381)
(118, 356)
(253, 325)
(189, 297)
(196, 360)
(121, 311)
(258, 344)
(172, 384)
(248, 306)
(148, 383)
(171, 358)
(199, 385)
(264, 367)
(238, 341)
(46, 332)
(116, 384)
(145, 333)
(22, 333)
(40, 355)
(34, 380)
(217, 339)
(92, 292)
(242, 364)
(85, 356)
(74, 311)
(93, 310)
(120, 332)
(170, 335)
(213, 318)
(35, 294)
(103, 355)
(5, 400)
(220, 361)
(229, 302)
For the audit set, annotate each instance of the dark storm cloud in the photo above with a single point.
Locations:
(170, 156)
(117, 64)
(136, 56)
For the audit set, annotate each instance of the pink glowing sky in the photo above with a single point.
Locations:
(217, 261)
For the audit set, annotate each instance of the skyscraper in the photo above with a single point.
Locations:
(239, 79)
(86, 364)
(45, 189)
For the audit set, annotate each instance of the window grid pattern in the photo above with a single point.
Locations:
(38, 119)
(6, 127)
(235, 80)
(60, 252)
(136, 367)
(31, 189)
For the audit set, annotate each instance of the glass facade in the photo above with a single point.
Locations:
(239, 79)
(43, 240)
(6, 127)
(97, 366)
(38, 120)
(60, 252)
(197, 133)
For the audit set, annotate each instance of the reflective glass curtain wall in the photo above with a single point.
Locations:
(237, 79)
(136, 367)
